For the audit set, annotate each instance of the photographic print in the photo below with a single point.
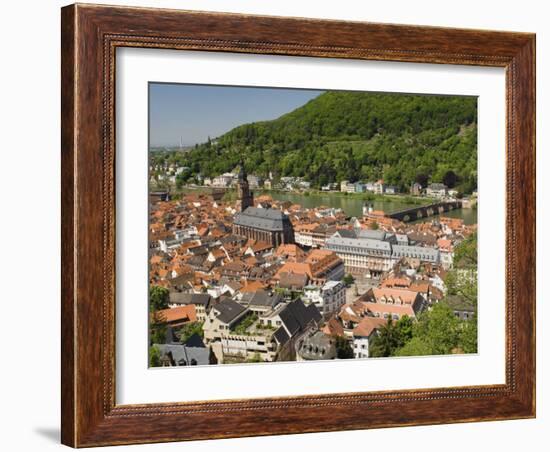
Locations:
(301, 225)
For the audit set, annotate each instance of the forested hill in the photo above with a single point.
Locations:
(355, 136)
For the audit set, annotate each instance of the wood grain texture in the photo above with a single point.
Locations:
(68, 244)
(90, 36)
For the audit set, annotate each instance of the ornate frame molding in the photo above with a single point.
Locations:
(90, 37)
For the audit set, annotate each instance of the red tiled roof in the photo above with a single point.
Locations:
(184, 313)
(367, 325)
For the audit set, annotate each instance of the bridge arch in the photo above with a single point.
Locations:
(419, 212)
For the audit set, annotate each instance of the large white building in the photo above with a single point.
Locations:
(329, 298)
(361, 255)
(371, 253)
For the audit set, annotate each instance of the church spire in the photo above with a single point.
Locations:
(242, 171)
(244, 195)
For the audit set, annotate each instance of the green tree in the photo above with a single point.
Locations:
(256, 358)
(157, 328)
(348, 280)
(415, 347)
(187, 330)
(154, 357)
(354, 136)
(468, 336)
(404, 328)
(391, 337)
(462, 283)
(438, 329)
(450, 179)
(465, 254)
(343, 348)
(182, 178)
(158, 298)
(462, 279)
(385, 342)
(422, 179)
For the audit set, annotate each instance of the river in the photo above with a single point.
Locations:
(353, 205)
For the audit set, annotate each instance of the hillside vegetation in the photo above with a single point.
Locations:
(354, 136)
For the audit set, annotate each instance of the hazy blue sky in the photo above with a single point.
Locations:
(195, 112)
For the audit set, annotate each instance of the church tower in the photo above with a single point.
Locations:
(245, 198)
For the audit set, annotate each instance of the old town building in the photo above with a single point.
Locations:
(267, 225)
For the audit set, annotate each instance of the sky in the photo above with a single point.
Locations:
(196, 112)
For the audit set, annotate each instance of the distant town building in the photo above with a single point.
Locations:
(436, 190)
(416, 189)
(254, 181)
(344, 185)
(369, 186)
(379, 187)
(223, 180)
(156, 196)
(348, 187)
(329, 187)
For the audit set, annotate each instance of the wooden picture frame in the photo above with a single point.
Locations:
(90, 36)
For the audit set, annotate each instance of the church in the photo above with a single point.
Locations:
(267, 225)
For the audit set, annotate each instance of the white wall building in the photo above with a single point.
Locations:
(304, 236)
(328, 299)
(223, 180)
(363, 333)
(436, 190)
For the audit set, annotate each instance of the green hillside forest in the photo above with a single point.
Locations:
(354, 136)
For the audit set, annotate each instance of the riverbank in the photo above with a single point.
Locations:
(397, 198)
(351, 203)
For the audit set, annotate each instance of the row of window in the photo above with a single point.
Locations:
(360, 251)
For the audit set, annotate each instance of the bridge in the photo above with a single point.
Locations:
(417, 213)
